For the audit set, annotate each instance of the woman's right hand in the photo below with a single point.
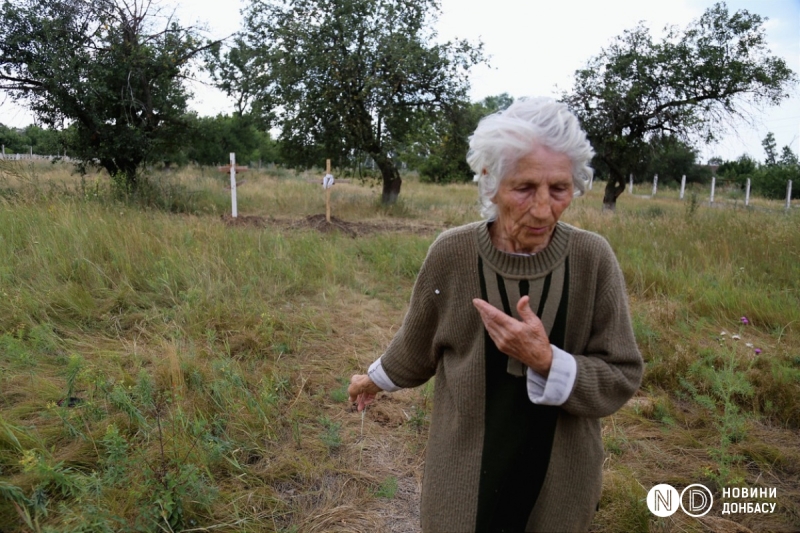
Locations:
(362, 390)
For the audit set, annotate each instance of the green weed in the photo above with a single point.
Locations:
(340, 394)
(718, 383)
(331, 436)
(387, 489)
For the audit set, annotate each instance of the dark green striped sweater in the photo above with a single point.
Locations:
(495, 461)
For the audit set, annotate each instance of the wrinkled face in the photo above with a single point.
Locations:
(530, 201)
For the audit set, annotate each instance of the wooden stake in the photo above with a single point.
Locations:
(328, 193)
(234, 212)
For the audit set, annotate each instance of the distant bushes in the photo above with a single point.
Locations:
(769, 179)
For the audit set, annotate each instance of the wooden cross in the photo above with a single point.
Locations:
(233, 169)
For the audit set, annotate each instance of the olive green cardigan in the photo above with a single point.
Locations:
(492, 454)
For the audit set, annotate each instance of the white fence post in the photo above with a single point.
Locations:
(713, 186)
(655, 184)
(234, 213)
(4, 151)
(591, 181)
(683, 185)
(630, 186)
(747, 193)
(789, 195)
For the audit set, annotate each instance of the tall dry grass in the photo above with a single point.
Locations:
(161, 370)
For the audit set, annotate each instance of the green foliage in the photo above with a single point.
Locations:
(214, 138)
(331, 436)
(340, 394)
(418, 419)
(718, 382)
(768, 180)
(692, 83)
(692, 204)
(41, 141)
(772, 181)
(740, 170)
(115, 460)
(437, 147)
(106, 68)
(623, 505)
(351, 78)
(671, 158)
(770, 149)
(772, 178)
(387, 489)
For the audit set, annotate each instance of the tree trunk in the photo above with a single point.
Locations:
(614, 188)
(123, 174)
(391, 178)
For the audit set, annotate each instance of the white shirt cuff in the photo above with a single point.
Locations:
(559, 383)
(378, 376)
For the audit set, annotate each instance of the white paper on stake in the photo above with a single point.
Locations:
(327, 181)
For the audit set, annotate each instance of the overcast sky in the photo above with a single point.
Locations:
(535, 46)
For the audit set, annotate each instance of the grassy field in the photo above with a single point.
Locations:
(163, 370)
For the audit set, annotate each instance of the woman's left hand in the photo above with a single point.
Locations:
(524, 340)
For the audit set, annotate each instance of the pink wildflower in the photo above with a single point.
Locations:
(758, 351)
(744, 320)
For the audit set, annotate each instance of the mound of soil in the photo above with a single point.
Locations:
(244, 220)
(318, 222)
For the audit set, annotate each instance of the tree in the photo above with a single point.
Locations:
(345, 75)
(112, 68)
(214, 138)
(41, 141)
(770, 149)
(739, 170)
(438, 145)
(771, 178)
(671, 158)
(788, 157)
(692, 85)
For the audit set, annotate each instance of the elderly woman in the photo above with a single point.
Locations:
(524, 322)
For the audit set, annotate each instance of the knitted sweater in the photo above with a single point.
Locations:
(495, 461)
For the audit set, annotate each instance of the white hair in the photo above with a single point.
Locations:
(503, 138)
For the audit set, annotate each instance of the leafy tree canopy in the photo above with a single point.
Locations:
(739, 169)
(770, 149)
(438, 146)
(671, 158)
(769, 179)
(22, 140)
(350, 76)
(214, 138)
(114, 69)
(692, 84)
